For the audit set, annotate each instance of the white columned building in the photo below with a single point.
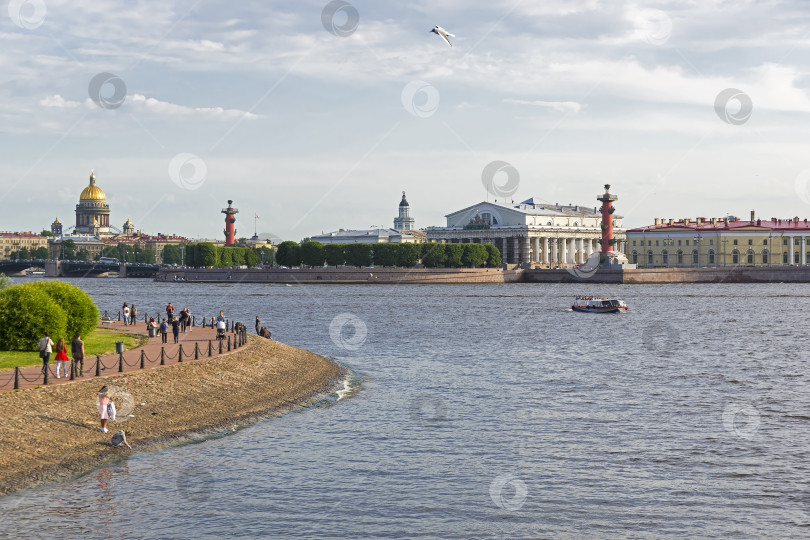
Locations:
(541, 234)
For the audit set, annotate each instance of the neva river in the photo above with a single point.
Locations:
(484, 411)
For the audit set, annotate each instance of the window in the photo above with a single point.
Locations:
(765, 242)
(695, 257)
(634, 243)
(664, 257)
(750, 257)
(711, 241)
(635, 257)
(649, 242)
(735, 242)
(807, 258)
(784, 258)
(784, 242)
(797, 241)
(649, 257)
(764, 257)
(735, 256)
(796, 256)
(680, 257)
(711, 256)
(750, 242)
(656, 242)
(687, 242)
(679, 242)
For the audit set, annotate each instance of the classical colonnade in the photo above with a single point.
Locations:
(551, 250)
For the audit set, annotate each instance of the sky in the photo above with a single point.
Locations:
(316, 115)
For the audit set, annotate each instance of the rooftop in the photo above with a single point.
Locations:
(726, 224)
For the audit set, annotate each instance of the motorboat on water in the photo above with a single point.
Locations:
(596, 304)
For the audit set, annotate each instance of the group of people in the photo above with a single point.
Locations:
(106, 410)
(262, 330)
(130, 314)
(47, 347)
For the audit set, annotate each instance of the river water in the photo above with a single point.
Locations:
(483, 411)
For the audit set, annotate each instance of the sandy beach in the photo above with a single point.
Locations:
(53, 432)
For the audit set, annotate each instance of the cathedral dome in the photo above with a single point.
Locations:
(92, 192)
(404, 201)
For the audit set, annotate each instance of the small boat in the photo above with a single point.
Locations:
(595, 304)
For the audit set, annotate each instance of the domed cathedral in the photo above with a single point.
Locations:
(92, 212)
(404, 221)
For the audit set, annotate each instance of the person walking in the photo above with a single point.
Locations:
(164, 331)
(133, 313)
(103, 403)
(45, 350)
(257, 324)
(61, 358)
(176, 330)
(169, 312)
(126, 314)
(77, 349)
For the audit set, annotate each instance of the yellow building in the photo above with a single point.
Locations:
(720, 242)
(11, 242)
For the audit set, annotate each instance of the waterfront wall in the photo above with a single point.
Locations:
(342, 275)
(737, 274)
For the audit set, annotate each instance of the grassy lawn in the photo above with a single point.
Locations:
(101, 341)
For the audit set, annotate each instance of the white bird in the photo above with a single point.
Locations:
(439, 31)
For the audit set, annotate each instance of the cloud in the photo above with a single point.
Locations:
(561, 106)
(141, 103)
(58, 102)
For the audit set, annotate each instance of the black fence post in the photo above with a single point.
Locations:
(193, 320)
(72, 370)
(16, 378)
(180, 353)
(220, 346)
(98, 365)
(47, 372)
(229, 343)
(196, 350)
(119, 316)
(162, 356)
(143, 355)
(120, 362)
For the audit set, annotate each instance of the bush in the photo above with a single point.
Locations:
(82, 313)
(238, 255)
(453, 253)
(251, 257)
(493, 256)
(359, 254)
(289, 254)
(474, 255)
(408, 255)
(385, 254)
(26, 313)
(312, 253)
(225, 257)
(206, 254)
(433, 255)
(334, 254)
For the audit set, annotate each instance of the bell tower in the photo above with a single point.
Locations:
(404, 221)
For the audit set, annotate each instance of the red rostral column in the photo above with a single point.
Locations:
(607, 221)
(230, 223)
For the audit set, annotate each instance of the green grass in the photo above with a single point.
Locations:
(101, 341)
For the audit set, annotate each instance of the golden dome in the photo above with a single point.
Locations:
(92, 192)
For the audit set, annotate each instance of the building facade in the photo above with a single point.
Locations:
(370, 236)
(541, 234)
(725, 241)
(13, 242)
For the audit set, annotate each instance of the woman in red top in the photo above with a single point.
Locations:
(61, 357)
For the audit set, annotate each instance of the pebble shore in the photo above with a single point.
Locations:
(53, 432)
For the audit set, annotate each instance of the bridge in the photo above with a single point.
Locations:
(79, 268)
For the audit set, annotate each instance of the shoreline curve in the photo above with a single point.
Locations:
(53, 433)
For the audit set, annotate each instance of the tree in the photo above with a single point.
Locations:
(147, 255)
(358, 254)
(493, 256)
(225, 256)
(474, 255)
(433, 255)
(83, 255)
(26, 313)
(267, 255)
(80, 310)
(289, 254)
(68, 250)
(46, 232)
(238, 255)
(312, 253)
(385, 254)
(408, 255)
(334, 254)
(5, 281)
(24, 254)
(206, 254)
(191, 258)
(40, 253)
(251, 257)
(454, 253)
(172, 254)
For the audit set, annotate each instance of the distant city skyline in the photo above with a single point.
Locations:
(317, 115)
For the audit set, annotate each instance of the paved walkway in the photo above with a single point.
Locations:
(198, 336)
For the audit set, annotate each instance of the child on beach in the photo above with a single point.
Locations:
(61, 357)
(103, 402)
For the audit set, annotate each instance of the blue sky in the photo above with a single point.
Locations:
(315, 131)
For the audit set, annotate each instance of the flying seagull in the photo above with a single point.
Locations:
(439, 31)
